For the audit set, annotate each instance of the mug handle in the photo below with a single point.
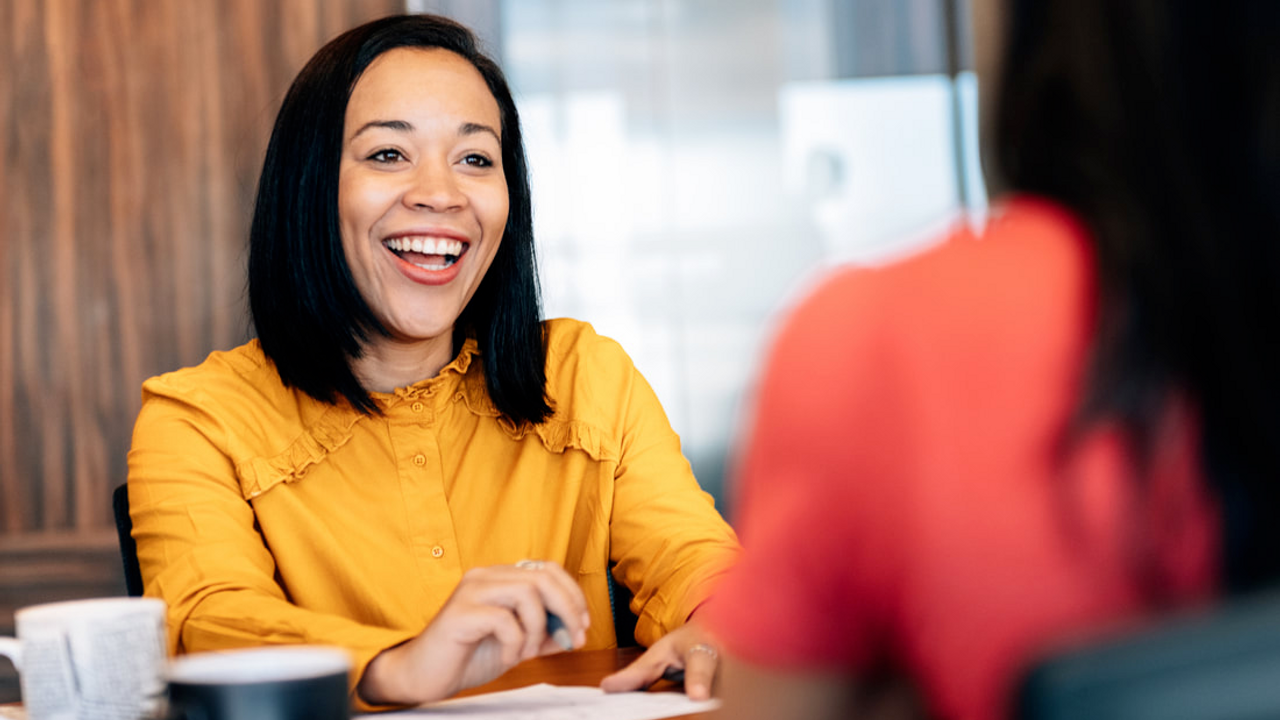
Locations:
(12, 649)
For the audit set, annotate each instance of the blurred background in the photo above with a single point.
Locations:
(696, 164)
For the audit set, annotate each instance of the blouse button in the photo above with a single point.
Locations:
(437, 551)
(419, 460)
(417, 407)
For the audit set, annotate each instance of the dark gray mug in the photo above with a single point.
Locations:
(299, 682)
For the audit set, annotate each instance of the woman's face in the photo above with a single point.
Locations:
(422, 200)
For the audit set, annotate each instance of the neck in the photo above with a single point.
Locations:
(388, 364)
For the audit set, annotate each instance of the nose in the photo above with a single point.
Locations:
(433, 187)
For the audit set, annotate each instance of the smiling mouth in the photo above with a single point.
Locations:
(428, 253)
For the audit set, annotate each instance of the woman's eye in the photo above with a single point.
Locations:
(477, 160)
(386, 156)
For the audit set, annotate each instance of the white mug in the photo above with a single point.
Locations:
(103, 659)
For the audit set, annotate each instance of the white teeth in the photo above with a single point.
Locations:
(446, 247)
(441, 266)
(426, 245)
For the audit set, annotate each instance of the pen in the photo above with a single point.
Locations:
(558, 632)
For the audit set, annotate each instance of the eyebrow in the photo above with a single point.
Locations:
(466, 128)
(470, 128)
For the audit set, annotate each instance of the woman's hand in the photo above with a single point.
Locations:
(686, 648)
(495, 618)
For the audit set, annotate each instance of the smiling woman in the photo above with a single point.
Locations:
(408, 462)
(313, 312)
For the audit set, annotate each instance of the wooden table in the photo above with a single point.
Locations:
(584, 667)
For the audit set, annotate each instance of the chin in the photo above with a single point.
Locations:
(418, 335)
(419, 332)
(421, 320)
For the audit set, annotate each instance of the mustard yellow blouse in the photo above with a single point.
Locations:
(263, 516)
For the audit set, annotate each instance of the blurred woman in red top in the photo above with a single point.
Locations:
(1064, 422)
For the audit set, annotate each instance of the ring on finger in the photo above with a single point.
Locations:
(705, 648)
(530, 564)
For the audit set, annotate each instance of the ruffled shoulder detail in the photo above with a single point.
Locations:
(557, 433)
(331, 431)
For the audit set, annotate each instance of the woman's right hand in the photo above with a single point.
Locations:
(495, 618)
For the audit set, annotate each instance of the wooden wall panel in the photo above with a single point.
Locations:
(39, 568)
(131, 134)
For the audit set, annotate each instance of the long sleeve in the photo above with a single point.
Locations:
(668, 542)
(202, 552)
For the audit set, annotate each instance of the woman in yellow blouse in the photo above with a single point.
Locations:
(407, 462)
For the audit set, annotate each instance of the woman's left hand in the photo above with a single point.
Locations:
(687, 648)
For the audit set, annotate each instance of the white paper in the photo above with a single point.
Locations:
(551, 702)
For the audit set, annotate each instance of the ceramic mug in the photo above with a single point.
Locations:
(103, 659)
(283, 682)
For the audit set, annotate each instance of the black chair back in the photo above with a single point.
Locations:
(1222, 665)
(624, 621)
(128, 548)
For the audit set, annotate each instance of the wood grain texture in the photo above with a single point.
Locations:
(50, 567)
(133, 133)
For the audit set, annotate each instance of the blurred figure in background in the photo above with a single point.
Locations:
(1067, 421)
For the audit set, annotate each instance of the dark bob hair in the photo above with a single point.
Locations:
(1158, 122)
(307, 311)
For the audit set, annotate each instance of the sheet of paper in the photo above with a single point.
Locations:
(548, 702)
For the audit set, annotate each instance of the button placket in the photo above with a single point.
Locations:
(416, 442)
(432, 528)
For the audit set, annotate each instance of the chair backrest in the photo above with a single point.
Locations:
(1222, 665)
(624, 621)
(128, 548)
